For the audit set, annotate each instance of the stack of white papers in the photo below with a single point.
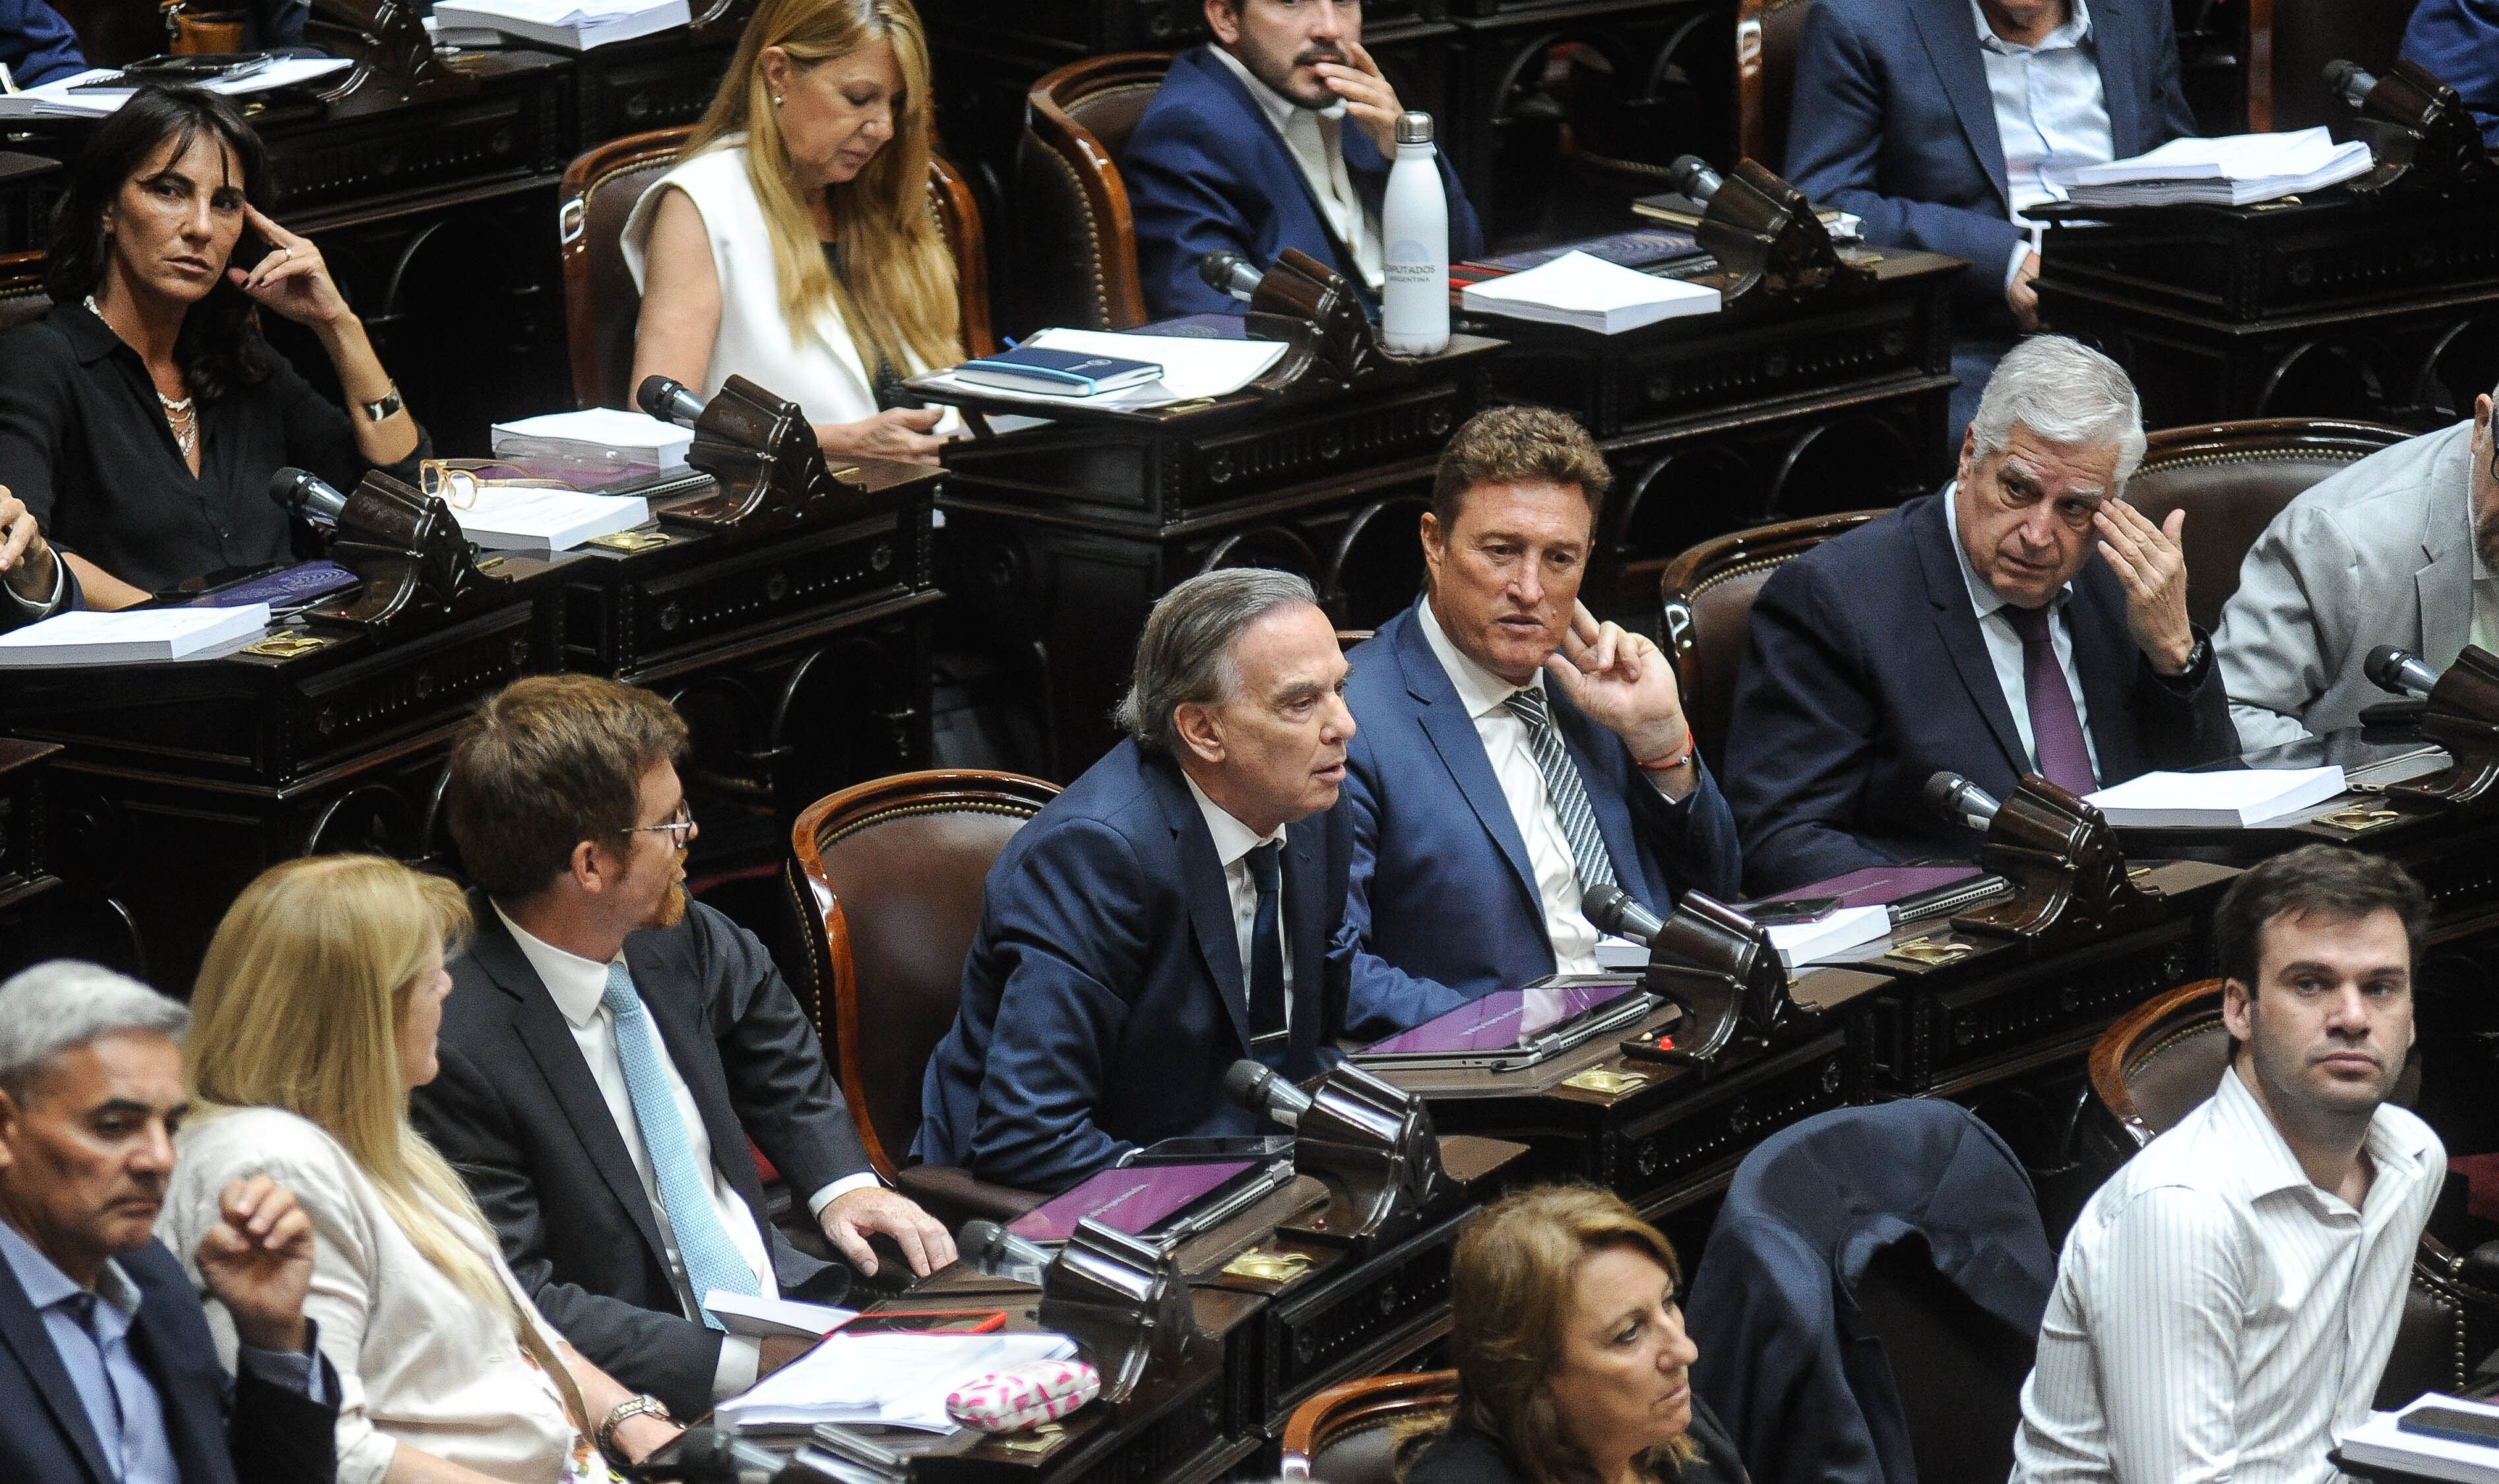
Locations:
(1193, 368)
(87, 637)
(636, 437)
(55, 100)
(2230, 799)
(2381, 1444)
(2237, 170)
(1804, 942)
(761, 1318)
(509, 518)
(575, 26)
(893, 1380)
(1590, 293)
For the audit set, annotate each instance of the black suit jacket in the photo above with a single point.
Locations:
(1465, 1455)
(516, 1112)
(251, 1431)
(1866, 674)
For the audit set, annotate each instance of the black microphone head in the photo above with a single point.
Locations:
(1604, 906)
(284, 485)
(302, 492)
(652, 396)
(2339, 72)
(2384, 668)
(1246, 1083)
(1216, 268)
(705, 1456)
(976, 1235)
(1691, 174)
(1943, 791)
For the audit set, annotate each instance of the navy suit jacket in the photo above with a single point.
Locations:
(249, 1432)
(516, 1112)
(1103, 996)
(1206, 172)
(36, 44)
(1444, 905)
(1866, 674)
(2457, 42)
(1892, 120)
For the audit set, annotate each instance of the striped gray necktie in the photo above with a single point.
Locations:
(1563, 787)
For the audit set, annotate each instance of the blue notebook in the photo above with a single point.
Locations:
(1058, 372)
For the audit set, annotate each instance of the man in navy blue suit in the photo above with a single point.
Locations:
(1972, 631)
(1278, 134)
(1933, 118)
(2457, 42)
(36, 45)
(1514, 752)
(1168, 914)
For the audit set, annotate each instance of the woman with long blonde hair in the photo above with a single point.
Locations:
(315, 1015)
(793, 245)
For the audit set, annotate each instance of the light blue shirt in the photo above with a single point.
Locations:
(2050, 109)
(91, 1333)
(2005, 643)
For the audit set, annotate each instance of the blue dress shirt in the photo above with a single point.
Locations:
(2050, 112)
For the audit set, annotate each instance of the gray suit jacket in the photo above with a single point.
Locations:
(2379, 554)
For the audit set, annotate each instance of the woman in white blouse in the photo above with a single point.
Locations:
(316, 1013)
(794, 245)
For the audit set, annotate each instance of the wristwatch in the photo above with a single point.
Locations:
(383, 410)
(644, 1405)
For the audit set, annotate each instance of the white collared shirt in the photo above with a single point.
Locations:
(1316, 140)
(2050, 109)
(1233, 843)
(2218, 1317)
(579, 989)
(2005, 643)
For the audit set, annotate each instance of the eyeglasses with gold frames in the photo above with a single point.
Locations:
(680, 828)
(456, 482)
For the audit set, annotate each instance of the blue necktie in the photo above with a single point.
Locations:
(711, 1258)
(1267, 952)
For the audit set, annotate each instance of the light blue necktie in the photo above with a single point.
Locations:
(711, 1258)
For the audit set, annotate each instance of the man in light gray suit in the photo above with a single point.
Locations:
(2398, 549)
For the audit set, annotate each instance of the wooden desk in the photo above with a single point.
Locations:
(26, 932)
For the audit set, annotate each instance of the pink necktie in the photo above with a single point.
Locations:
(2055, 730)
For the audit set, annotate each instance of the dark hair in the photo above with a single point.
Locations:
(219, 347)
(1184, 654)
(545, 763)
(2331, 881)
(1519, 445)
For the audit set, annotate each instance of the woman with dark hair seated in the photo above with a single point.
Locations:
(1573, 1364)
(141, 418)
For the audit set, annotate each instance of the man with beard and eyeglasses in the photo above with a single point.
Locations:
(609, 1048)
(1277, 134)
(2227, 1301)
(2398, 549)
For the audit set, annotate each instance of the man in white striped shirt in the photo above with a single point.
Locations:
(2227, 1301)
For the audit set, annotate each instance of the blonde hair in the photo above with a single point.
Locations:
(299, 1005)
(896, 291)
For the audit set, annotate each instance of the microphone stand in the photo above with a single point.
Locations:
(1718, 967)
(2064, 862)
(773, 475)
(1765, 231)
(1330, 344)
(1125, 1302)
(409, 551)
(2462, 715)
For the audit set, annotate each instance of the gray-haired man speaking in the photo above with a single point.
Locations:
(107, 1368)
(2026, 619)
(1168, 914)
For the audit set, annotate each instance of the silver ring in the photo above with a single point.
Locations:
(290, 253)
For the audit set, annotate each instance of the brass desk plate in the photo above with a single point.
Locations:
(630, 541)
(1264, 1267)
(286, 644)
(2359, 817)
(1604, 1081)
(1031, 1441)
(1922, 950)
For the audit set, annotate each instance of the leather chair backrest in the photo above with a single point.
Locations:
(1766, 35)
(1351, 1432)
(602, 307)
(2232, 479)
(1707, 609)
(23, 299)
(886, 878)
(1958, 1368)
(2163, 1058)
(1077, 237)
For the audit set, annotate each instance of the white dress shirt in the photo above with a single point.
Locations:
(1316, 139)
(2050, 109)
(33, 609)
(2005, 643)
(579, 989)
(1233, 843)
(2218, 1316)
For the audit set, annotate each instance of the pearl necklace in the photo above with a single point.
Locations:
(178, 415)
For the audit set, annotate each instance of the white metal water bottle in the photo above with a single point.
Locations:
(1414, 230)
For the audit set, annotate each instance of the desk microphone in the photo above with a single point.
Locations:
(994, 1250)
(2398, 671)
(2351, 81)
(301, 492)
(1260, 1090)
(1612, 910)
(666, 399)
(1961, 802)
(1229, 273)
(1691, 174)
(704, 1455)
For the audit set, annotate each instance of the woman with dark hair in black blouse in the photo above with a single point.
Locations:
(141, 418)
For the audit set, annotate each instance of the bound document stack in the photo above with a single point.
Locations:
(575, 26)
(2236, 170)
(503, 518)
(2227, 799)
(2434, 1438)
(1589, 293)
(131, 636)
(892, 1380)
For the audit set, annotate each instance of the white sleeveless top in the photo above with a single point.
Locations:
(820, 370)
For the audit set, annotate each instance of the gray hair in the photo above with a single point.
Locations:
(2066, 393)
(57, 1007)
(1184, 655)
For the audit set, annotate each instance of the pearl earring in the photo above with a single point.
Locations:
(776, 100)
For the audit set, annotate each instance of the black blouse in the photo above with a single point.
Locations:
(1462, 1455)
(83, 441)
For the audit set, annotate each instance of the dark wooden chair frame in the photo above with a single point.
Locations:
(1119, 287)
(1363, 1402)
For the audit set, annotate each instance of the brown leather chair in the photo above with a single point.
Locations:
(602, 306)
(1077, 236)
(23, 299)
(1766, 34)
(2233, 478)
(2165, 1056)
(1705, 597)
(886, 880)
(1350, 1432)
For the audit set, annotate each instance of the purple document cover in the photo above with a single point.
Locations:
(1131, 1201)
(1882, 885)
(1499, 1021)
(285, 589)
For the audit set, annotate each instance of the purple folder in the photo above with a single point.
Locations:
(1133, 1201)
(288, 587)
(1499, 1021)
(1882, 885)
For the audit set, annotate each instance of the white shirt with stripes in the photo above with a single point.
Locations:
(2216, 1315)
